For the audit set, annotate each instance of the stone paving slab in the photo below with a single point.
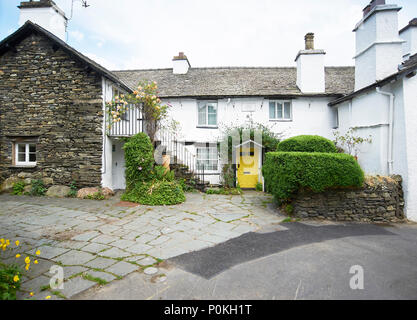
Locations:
(122, 268)
(85, 235)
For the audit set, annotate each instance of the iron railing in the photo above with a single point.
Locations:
(179, 154)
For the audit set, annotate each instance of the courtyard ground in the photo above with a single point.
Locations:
(98, 242)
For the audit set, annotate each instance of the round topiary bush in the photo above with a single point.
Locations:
(156, 193)
(139, 160)
(307, 143)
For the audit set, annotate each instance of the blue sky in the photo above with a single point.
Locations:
(132, 34)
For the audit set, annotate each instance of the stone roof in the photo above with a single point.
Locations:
(236, 81)
(30, 27)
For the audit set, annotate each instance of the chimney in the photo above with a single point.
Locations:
(46, 14)
(310, 67)
(180, 64)
(378, 45)
(409, 35)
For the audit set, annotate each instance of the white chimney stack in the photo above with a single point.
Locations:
(409, 35)
(180, 64)
(310, 68)
(378, 45)
(46, 14)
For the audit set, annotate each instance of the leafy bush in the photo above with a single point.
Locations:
(155, 193)
(162, 174)
(18, 188)
(307, 144)
(9, 284)
(38, 188)
(228, 176)
(184, 186)
(139, 160)
(286, 172)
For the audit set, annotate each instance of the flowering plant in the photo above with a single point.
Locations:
(350, 141)
(144, 97)
(10, 275)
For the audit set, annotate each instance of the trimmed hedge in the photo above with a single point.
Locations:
(287, 172)
(155, 193)
(139, 160)
(307, 143)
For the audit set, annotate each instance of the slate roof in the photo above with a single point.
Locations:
(237, 81)
(30, 27)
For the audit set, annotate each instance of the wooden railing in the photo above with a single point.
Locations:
(131, 123)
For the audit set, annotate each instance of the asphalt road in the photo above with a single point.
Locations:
(294, 261)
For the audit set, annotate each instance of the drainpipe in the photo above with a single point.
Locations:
(390, 127)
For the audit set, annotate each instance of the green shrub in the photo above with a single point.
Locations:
(162, 174)
(289, 209)
(155, 193)
(287, 172)
(139, 160)
(38, 188)
(18, 188)
(184, 186)
(307, 144)
(259, 187)
(9, 287)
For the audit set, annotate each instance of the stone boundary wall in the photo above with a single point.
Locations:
(380, 200)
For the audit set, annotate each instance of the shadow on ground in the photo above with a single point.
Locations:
(211, 261)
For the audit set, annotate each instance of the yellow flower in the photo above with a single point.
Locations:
(7, 242)
(38, 252)
(4, 247)
(18, 256)
(27, 260)
(31, 294)
(35, 262)
(16, 278)
(17, 243)
(48, 297)
(27, 267)
(1, 240)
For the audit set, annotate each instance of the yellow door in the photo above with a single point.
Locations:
(248, 168)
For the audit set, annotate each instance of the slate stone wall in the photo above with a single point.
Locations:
(380, 200)
(48, 96)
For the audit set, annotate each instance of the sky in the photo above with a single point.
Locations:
(141, 34)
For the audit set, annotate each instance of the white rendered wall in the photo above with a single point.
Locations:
(410, 44)
(368, 113)
(410, 116)
(106, 170)
(378, 48)
(310, 73)
(47, 18)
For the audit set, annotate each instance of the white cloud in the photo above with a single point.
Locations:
(147, 34)
(110, 65)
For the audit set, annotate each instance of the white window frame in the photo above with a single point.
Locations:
(209, 159)
(283, 102)
(27, 162)
(205, 103)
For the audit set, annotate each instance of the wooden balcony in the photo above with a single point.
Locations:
(131, 124)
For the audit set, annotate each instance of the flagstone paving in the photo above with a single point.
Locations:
(101, 241)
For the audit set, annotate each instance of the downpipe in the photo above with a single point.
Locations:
(390, 128)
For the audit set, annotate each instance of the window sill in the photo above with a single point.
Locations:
(22, 166)
(280, 120)
(207, 127)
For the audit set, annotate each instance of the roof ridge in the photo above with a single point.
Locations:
(218, 68)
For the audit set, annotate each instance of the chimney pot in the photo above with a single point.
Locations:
(309, 40)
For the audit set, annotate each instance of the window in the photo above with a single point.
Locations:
(280, 110)
(25, 154)
(207, 158)
(207, 114)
